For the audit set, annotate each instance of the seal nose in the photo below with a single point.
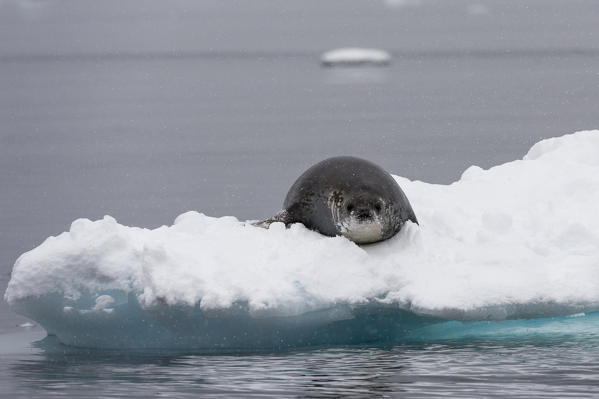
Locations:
(363, 213)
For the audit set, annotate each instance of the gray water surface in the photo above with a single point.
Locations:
(147, 109)
(545, 368)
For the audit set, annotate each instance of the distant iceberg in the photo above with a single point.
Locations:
(517, 241)
(355, 56)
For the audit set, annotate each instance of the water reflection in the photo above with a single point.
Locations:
(317, 373)
(464, 368)
(356, 75)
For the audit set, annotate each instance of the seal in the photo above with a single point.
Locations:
(346, 196)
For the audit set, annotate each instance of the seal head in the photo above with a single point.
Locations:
(347, 196)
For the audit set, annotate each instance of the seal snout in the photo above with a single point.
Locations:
(363, 213)
(364, 210)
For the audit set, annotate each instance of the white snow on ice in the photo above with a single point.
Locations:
(355, 56)
(518, 240)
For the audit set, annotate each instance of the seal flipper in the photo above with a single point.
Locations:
(412, 217)
(282, 217)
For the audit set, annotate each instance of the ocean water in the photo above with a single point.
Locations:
(144, 110)
(535, 365)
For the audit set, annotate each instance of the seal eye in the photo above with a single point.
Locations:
(377, 207)
(350, 207)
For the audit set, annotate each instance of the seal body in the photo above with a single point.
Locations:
(347, 196)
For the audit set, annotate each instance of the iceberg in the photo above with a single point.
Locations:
(355, 56)
(516, 241)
